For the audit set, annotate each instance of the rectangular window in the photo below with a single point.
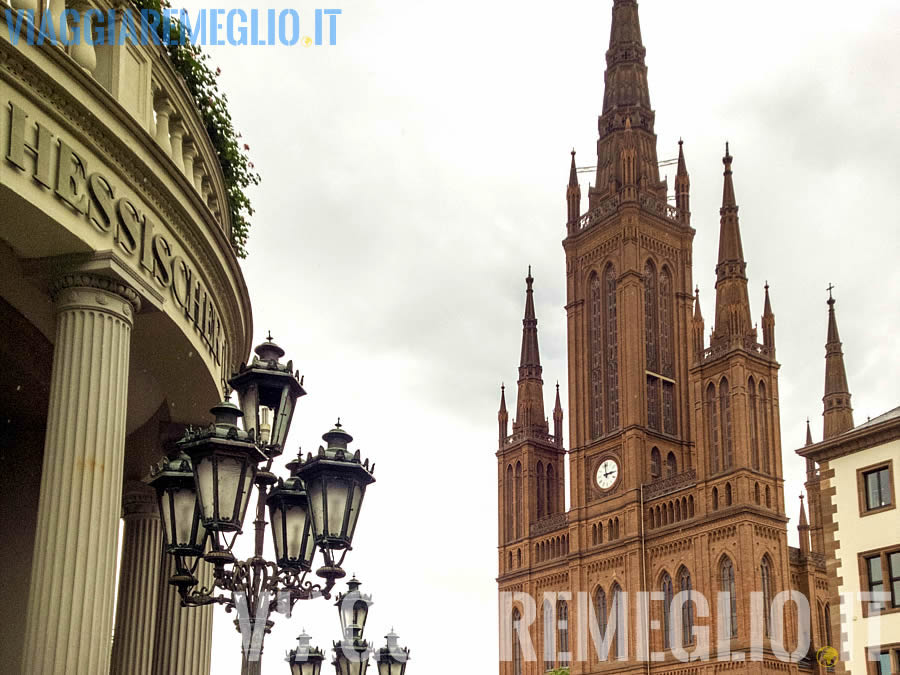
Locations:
(884, 660)
(876, 489)
(880, 573)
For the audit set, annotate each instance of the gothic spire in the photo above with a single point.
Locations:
(626, 72)
(503, 415)
(573, 196)
(768, 324)
(698, 327)
(732, 301)
(682, 188)
(698, 315)
(809, 440)
(558, 419)
(838, 414)
(573, 172)
(530, 401)
(803, 529)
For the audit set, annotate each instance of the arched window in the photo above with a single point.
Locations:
(666, 587)
(510, 505)
(765, 574)
(551, 490)
(828, 639)
(754, 424)
(756, 497)
(519, 558)
(768, 498)
(764, 427)
(562, 609)
(666, 348)
(712, 418)
(715, 496)
(727, 494)
(509, 562)
(599, 533)
(596, 356)
(517, 645)
(617, 527)
(677, 511)
(687, 609)
(618, 603)
(651, 317)
(725, 411)
(671, 465)
(612, 351)
(601, 613)
(540, 489)
(594, 539)
(655, 462)
(727, 586)
(691, 506)
(549, 637)
(520, 520)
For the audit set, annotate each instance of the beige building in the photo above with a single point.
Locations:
(853, 489)
(122, 308)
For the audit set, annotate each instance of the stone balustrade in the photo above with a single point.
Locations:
(143, 80)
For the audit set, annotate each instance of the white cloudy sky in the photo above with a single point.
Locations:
(413, 171)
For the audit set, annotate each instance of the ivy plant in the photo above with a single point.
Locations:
(192, 64)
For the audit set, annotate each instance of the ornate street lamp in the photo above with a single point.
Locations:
(305, 660)
(218, 466)
(351, 656)
(268, 383)
(353, 608)
(336, 482)
(173, 480)
(392, 658)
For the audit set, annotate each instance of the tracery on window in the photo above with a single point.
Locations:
(596, 356)
(725, 413)
(612, 352)
(712, 418)
(727, 581)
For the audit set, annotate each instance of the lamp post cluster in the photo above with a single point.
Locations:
(352, 653)
(204, 489)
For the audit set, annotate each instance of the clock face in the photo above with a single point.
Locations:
(607, 474)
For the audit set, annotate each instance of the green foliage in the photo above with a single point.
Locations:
(193, 66)
(558, 671)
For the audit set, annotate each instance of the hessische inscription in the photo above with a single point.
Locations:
(134, 232)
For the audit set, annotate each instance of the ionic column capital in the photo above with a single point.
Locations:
(139, 501)
(96, 292)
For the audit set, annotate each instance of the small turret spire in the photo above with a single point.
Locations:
(809, 440)
(803, 529)
(682, 188)
(697, 327)
(838, 413)
(768, 324)
(558, 419)
(503, 415)
(530, 401)
(573, 197)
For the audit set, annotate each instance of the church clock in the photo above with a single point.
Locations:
(607, 474)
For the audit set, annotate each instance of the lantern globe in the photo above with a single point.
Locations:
(305, 659)
(392, 658)
(292, 533)
(176, 496)
(353, 608)
(336, 480)
(224, 460)
(351, 657)
(268, 383)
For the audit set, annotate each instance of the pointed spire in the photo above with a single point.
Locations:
(809, 440)
(698, 315)
(530, 401)
(682, 188)
(573, 172)
(626, 72)
(682, 165)
(768, 324)
(573, 197)
(558, 419)
(503, 415)
(733, 324)
(803, 529)
(838, 413)
(698, 328)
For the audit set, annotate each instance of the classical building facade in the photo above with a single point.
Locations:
(123, 308)
(853, 487)
(674, 451)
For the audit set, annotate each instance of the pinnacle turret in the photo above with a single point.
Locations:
(573, 196)
(558, 419)
(768, 324)
(503, 415)
(682, 188)
(530, 401)
(838, 413)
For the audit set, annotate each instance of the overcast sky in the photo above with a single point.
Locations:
(412, 173)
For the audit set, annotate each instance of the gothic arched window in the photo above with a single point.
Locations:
(549, 637)
(727, 586)
(601, 614)
(715, 495)
(667, 610)
(596, 356)
(671, 465)
(765, 574)
(540, 489)
(764, 427)
(516, 645)
(666, 346)
(828, 624)
(651, 317)
(712, 420)
(510, 504)
(655, 463)
(725, 413)
(520, 520)
(727, 494)
(551, 490)
(612, 350)
(562, 610)
(754, 422)
(687, 609)
(618, 604)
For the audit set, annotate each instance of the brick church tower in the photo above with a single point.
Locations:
(675, 449)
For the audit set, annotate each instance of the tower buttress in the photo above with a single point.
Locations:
(838, 413)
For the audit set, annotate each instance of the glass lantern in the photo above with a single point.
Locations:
(292, 533)
(392, 658)
(176, 495)
(305, 660)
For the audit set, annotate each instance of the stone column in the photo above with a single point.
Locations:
(184, 634)
(176, 138)
(138, 582)
(70, 601)
(164, 110)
